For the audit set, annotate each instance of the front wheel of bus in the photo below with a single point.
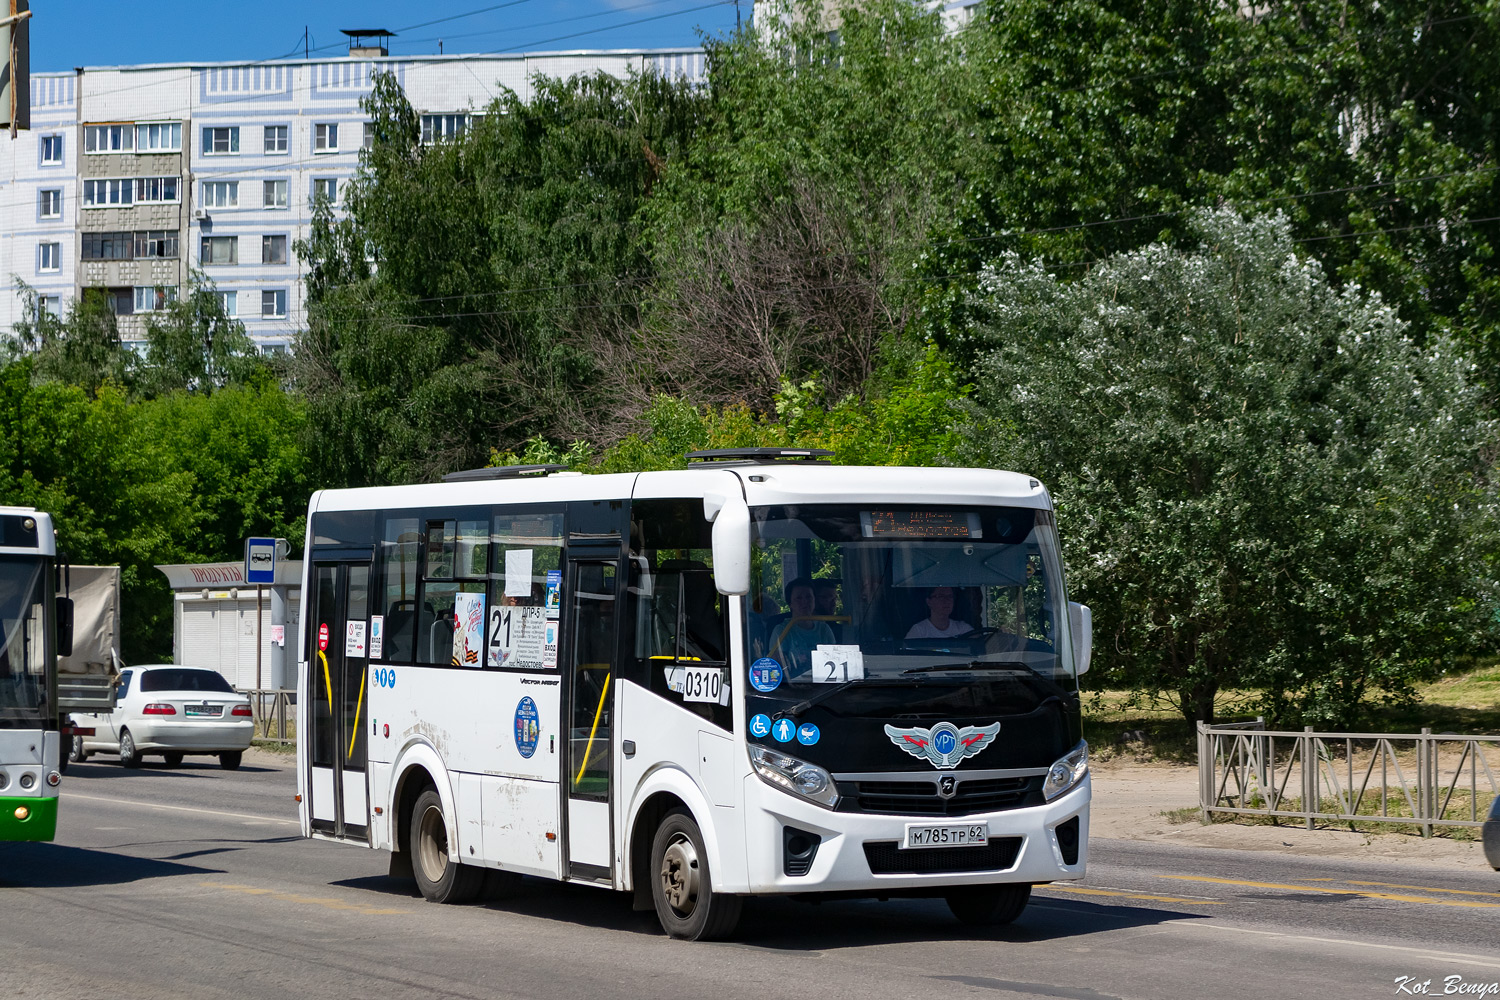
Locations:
(989, 905)
(686, 903)
(441, 879)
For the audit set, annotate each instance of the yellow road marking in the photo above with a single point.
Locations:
(1337, 892)
(1129, 895)
(1423, 888)
(291, 897)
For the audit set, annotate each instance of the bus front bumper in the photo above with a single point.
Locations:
(28, 817)
(1025, 844)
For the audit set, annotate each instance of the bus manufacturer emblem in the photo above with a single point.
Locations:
(944, 745)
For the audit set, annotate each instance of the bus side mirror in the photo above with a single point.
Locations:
(64, 626)
(1081, 622)
(731, 538)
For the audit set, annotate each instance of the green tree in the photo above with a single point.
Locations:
(194, 344)
(1262, 481)
(82, 348)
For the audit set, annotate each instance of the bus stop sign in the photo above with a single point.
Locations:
(260, 560)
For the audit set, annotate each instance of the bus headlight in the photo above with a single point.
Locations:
(1067, 771)
(807, 780)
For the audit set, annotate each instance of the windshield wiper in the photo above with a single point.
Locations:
(971, 665)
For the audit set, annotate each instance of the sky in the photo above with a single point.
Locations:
(70, 33)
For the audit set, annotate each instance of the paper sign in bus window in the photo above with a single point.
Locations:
(354, 638)
(468, 629)
(837, 664)
(554, 593)
(517, 572)
(518, 639)
(377, 636)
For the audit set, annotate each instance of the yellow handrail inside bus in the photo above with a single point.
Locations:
(354, 733)
(592, 730)
(327, 680)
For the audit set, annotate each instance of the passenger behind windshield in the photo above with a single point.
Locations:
(794, 638)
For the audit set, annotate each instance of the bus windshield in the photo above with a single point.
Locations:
(907, 611)
(23, 654)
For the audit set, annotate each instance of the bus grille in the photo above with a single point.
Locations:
(887, 858)
(921, 798)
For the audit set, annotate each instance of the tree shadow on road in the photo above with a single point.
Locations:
(53, 866)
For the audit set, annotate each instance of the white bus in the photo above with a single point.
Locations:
(760, 675)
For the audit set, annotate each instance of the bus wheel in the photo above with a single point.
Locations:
(989, 905)
(129, 755)
(686, 903)
(440, 879)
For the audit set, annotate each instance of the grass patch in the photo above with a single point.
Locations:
(1187, 814)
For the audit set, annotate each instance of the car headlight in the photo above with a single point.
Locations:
(807, 780)
(1067, 771)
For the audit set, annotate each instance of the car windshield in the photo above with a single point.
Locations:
(23, 646)
(906, 609)
(184, 679)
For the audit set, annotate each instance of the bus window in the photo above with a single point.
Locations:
(677, 612)
(398, 567)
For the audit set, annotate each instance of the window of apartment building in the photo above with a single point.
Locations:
(276, 139)
(230, 302)
(436, 128)
(273, 249)
(49, 257)
(158, 137)
(219, 250)
(273, 303)
(273, 348)
(108, 138)
(51, 304)
(108, 193)
(108, 246)
(221, 141)
(49, 203)
(52, 150)
(150, 298)
(156, 190)
(369, 140)
(121, 300)
(156, 243)
(221, 194)
(326, 188)
(326, 137)
(274, 195)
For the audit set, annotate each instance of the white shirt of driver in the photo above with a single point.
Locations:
(924, 629)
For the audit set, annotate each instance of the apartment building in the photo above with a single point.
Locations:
(132, 175)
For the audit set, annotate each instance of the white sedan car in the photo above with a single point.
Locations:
(172, 711)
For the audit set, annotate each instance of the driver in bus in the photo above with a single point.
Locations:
(939, 623)
(795, 639)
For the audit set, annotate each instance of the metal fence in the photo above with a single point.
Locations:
(1420, 779)
(275, 712)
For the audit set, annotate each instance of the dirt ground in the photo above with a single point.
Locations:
(1131, 800)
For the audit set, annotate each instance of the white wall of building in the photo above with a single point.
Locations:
(298, 95)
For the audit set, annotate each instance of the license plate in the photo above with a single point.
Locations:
(201, 710)
(946, 835)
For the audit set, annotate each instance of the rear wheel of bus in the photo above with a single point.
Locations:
(441, 879)
(681, 887)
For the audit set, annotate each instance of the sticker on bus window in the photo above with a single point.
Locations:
(765, 674)
(377, 636)
(518, 639)
(528, 727)
(354, 638)
(468, 629)
(554, 593)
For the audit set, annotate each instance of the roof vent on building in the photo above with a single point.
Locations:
(501, 472)
(757, 456)
(368, 41)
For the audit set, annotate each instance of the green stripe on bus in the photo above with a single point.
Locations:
(40, 822)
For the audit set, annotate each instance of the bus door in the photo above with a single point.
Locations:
(337, 660)
(592, 631)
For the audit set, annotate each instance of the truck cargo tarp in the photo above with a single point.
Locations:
(95, 591)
